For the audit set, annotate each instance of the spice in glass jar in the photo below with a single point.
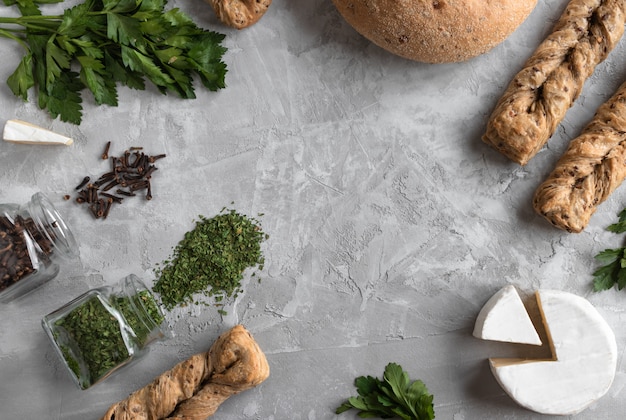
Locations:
(105, 329)
(34, 238)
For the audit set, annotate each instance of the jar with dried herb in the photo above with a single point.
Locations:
(34, 242)
(106, 329)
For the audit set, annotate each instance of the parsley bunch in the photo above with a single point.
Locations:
(393, 396)
(99, 44)
(612, 272)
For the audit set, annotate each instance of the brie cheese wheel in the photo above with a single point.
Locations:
(17, 131)
(584, 359)
(504, 318)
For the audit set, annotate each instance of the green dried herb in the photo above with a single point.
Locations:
(97, 335)
(146, 305)
(72, 363)
(211, 259)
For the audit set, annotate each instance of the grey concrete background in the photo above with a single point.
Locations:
(390, 222)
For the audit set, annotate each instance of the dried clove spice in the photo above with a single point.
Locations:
(129, 173)
(16, 236)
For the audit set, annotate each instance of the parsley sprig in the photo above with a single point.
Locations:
(99, 44)
(393, 396)
(612, 271)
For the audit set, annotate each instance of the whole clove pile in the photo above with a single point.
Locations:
(16, 235)
(130, 174)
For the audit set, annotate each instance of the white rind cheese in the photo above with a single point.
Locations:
(504, 318)
(584, 359)
(17, 131)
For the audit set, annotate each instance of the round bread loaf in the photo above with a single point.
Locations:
(435, 31)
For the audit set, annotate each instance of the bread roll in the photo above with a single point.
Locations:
(436, 31)
(239, 14)
(538, 97)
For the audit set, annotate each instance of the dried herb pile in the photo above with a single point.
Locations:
(210, 260)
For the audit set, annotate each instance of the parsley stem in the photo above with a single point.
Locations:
(10, 35)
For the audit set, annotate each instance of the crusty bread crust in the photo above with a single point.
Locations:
(539, 96)
(435, 31)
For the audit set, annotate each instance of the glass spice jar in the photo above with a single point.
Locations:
(34, 239)
(105, 329)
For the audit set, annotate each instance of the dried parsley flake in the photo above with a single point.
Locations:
(211, 259)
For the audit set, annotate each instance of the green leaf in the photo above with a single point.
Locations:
(620, 226)
(366, 385)
(397, 379)
(137, 61)
(604, 277)
(112, 41)
(178, 18)
(120, 6)
(99, 82)
(75, 21)
(124, 30)
(394, 396)
(609, 255)
(57, 60)
(122, 74)
(26, 7)
(620, 278)
(63, 99)
(22, 78)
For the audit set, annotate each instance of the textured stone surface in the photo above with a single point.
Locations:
(390, 222)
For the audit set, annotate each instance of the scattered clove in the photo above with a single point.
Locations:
(130, 173)
(105, 154)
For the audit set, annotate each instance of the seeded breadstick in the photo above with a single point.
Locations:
(536, 100)
(593, 166)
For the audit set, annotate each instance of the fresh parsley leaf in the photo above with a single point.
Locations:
(620, 226)
(393, 396)
(94, 76)
(111, 42)
(124, 30)
(64, 99)
(612, 270)
(22, 78)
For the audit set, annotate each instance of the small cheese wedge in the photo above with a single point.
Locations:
(18, 131)
(504, 318)
(584, 359)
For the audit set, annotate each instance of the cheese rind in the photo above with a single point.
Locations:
(17, 131)
(585, 359)
(504, 318)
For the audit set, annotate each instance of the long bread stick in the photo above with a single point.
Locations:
(194, 388)
(536, 100)
(591, 168)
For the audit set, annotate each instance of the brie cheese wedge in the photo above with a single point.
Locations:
(504, 318)
(583, 365)
(17, 131)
